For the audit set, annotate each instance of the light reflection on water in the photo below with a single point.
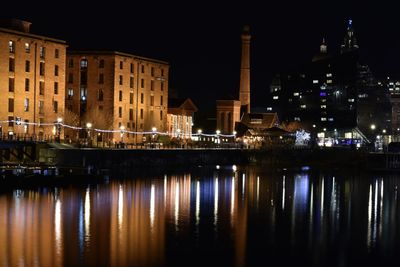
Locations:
(238, 217)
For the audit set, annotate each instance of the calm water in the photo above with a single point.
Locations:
(206, 217)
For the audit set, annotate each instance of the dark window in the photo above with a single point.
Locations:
(152, 100)
(130, 114)
(141, 98)
(132, 68)
(142, 68)
(162, 86)
(161, 115)
(71, 63)
(142, 83)
(42, 52)
(27, 84)
(56, 88)
(152, 85)
(161, 100)
(141, 114)
(41, 69)
(152, 71)
(101, 64)
(162, 72)
(41, 107)
(27, 66)
(41, 88)
(70, 78)
(120, 112)
(56, 70)
(11, 84)
(130, 98)
(56, 53)
(101, 78)
(11, 64)
(100, 107)
(121, 80)
(131, 81)
(120, 95)
(11, 46)
(100, 95)
(10, 121)
(55, 105)
(121, 65)
(11, 105)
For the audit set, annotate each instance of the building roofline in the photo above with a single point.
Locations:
(35, 36)
(117, 53)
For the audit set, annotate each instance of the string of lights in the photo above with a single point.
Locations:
(60, 124)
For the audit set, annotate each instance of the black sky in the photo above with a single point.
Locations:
(201, 39)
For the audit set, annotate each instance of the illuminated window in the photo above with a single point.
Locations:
(330, 119)
(42, 53)
(328, 81)
(329, 75)
(269, 108)
(295, 94)
(275, 97)
(84, 63)
(297, 119)
(70, 93)
(323, 87)
(323, 106)
(315, 81)
(11, 46)
(323, 119)
(27, 48)
(351, 99)
(303, 106)
(323, 100)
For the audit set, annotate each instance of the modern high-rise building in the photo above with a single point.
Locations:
(334, 96)
(32, 81)
(122, 94)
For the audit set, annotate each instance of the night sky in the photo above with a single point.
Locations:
(201, 39)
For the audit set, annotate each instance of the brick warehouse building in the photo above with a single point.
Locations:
(32, 81)
(115, 91)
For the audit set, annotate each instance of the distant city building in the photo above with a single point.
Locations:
(335, 97)
(180, 117)
(392, 87)
(32, 81)
(228, 114)
(116, 91)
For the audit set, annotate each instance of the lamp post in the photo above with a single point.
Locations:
(122, 128)
(154, 130)
(89, 127)
(59, 121)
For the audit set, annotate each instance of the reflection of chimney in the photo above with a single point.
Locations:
(16, 25)
(244, 94)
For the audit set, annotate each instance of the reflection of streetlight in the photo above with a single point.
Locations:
(88, 126)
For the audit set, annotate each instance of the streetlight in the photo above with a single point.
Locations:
(373, 127)
(59, 121)
(88, 126)
(178, 133)
(154, 130)
(217, 132)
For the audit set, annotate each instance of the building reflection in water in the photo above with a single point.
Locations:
(238, 214)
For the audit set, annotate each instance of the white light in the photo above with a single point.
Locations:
(59, 120)
(89, 125)
(199, 131)
(234, 168)
(154, 129)
(217, 131)
(373, 127)
(384, 131)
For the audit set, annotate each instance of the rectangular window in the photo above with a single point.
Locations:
(27, 47)
(11, 86)
(328, 81)
(100, 95)
(41, 107)
(120, 79)
(152, 100)
(56, 70)
(56, 88)
(152, 71)
(11, 65)
(161, 115)
(141, 98)
(162, 86)
(131, 114)
(70, 93)
(315, 81)
(42, 52)
(41, 88)
(131, 67)
(275, 97)
(142, 83)
(100, 108)
(11, 46)
(152, 85)
(161, 100)
(101, 78)
(70, 78)
(142, 67)
(141, 113)
(55, 106)
(121, 65)
(41, 69)
(27, 85)
(131, 82)
(120, 95)
(101, 64)
(26, 104)
(11, 105)
(130, 98)
(27, 66)
(120, 112)
(10, 121)
(71, 63)
(56, 53)
(162, 72)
